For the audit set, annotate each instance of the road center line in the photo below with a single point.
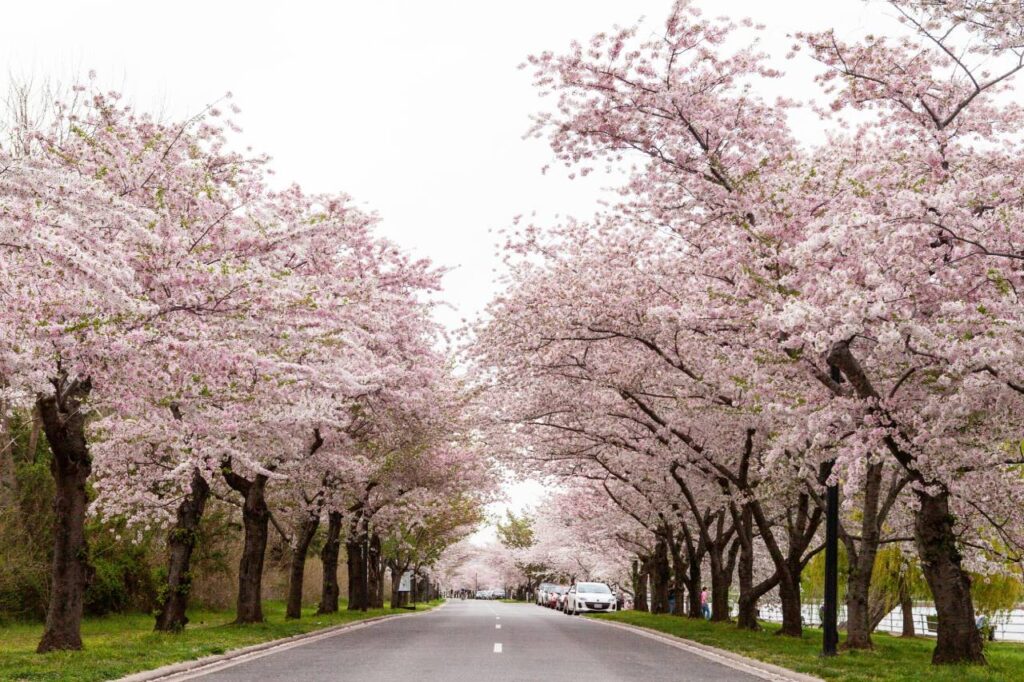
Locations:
(497, 647)
(497, 626)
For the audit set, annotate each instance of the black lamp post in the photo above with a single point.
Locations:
(831, 606)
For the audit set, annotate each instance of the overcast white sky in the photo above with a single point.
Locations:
(414, 107)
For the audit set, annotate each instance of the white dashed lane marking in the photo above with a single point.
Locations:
(497, 626)
(497, 647)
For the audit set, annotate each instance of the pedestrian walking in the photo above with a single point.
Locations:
(705, 608)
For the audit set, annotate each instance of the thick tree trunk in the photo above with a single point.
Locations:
(355, 550)
(181, 542)
(297, 573)
(63, 416)
(397, 600)
(419, 584)
(958, 639)
(693, 590)
(746, 604)
(329, 559)
(679, 569)
(381, 585)
(862, 563)
(721, 581)
(375, 574)
(907, 609)
(858, 614)
(659, 578)
(256, 523)
(789, 595)
(640, 585)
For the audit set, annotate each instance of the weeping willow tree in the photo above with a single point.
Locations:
(812, 578)
(996, 595)
(896, 581)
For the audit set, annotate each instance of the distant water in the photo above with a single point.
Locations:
(1009, 626)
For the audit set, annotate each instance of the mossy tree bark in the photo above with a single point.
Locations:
(63, 415)
(181, 542)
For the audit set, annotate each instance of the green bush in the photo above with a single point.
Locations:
(124, 576)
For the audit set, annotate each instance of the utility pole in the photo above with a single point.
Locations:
(831, 605)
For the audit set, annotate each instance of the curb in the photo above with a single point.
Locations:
(186, 670)
(750, 666)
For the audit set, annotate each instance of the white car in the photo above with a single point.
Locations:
(589, 597)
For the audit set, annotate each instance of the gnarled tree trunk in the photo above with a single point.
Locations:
(640, 585)
(659, 578)
(746, 603)
(256, 523)
(789, 596)
(375, 573)
(860, 615)
(297, 570)
(722, 566)
(329, 558)
(355, 550)
(63, 417)
(397, 598)
(958, 639)
(181, 542)
(679, 569)
(694, 557)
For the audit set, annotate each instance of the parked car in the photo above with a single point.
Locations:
(583, 597)
(541, 596)
(555, 596)
(498, 594)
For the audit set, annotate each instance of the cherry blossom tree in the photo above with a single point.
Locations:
(880, 266)
(197, 332)
(71, 304)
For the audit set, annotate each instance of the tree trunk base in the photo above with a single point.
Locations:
(64, 424)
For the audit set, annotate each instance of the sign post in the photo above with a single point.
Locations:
(405, 584)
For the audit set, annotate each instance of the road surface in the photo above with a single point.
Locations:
(470, 641)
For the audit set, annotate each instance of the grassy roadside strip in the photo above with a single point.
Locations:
(894, 658)
(119, 645)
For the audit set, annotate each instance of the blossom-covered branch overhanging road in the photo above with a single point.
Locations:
(757, 317)
(184, 333)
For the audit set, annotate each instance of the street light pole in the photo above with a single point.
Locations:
(831, 605)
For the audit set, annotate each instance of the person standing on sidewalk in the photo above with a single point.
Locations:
(705, 608)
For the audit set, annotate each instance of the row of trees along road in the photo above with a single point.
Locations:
(757, 316)
(180, 329)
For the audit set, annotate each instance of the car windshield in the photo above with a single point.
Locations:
(559, 590)
(593, 588)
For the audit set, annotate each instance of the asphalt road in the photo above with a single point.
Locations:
(469, 641)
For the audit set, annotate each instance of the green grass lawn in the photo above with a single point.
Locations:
(892, 659)
(122, 644)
